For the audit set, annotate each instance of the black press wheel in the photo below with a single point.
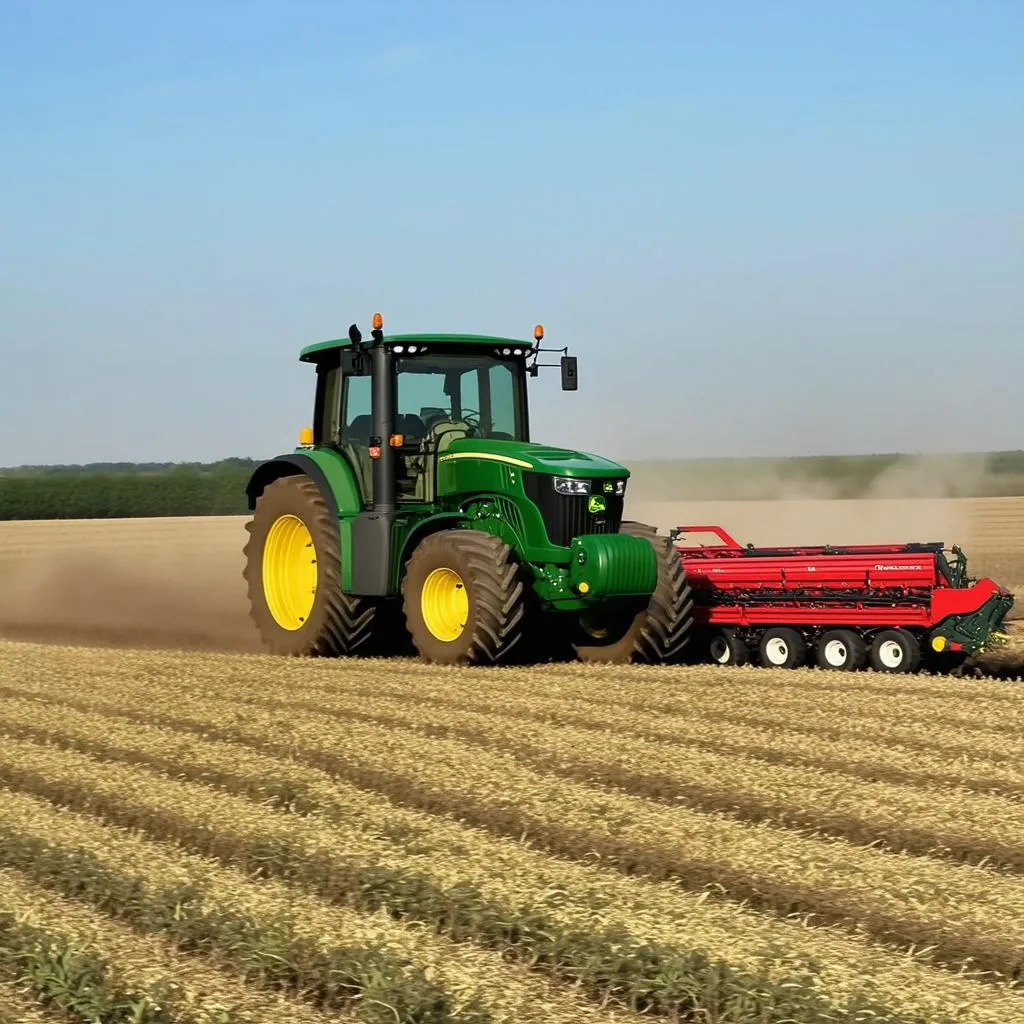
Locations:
(782, 647)
(725, 647)
(895, 650)
(840, 650)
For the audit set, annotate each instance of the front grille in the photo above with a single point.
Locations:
(567, 515)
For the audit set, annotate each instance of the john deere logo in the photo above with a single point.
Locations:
(608, 487)
(596, 504)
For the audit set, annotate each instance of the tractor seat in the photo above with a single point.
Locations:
(424, 464)
(358, 431)
(411, 426)
(447, 431)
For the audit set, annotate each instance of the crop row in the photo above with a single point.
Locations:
(742, 694)
(812, 732)
(969, 826)
(88, 967)
(950, 711)
(819, 699)
(821, 737)
(966, 825)
(618, 938)
(273, 934)
(965, 702)
(917, 901)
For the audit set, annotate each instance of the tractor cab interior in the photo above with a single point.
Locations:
(439, 398)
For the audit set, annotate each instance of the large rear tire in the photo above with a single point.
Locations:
(656, 633)
(293, 572)
(463, 598)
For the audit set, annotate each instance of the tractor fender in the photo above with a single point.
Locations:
(441, 521)
(328, 470)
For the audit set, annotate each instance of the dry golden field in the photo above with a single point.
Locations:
(210, 836)
(193, 831)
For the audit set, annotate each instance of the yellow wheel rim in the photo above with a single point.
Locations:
(444, 604)
(289, 572)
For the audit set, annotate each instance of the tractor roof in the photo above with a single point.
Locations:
(309, 353)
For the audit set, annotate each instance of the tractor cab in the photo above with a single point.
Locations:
(444, 391)
(430, 391)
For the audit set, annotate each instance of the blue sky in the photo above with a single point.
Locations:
(764, 228)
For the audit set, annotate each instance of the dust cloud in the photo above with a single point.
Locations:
(97, 599)
(910, 476)
(917, 498)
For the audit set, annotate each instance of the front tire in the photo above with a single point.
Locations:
(293, 572)
(463, 598)
(658, 632)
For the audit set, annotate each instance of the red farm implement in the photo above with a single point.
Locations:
(893, 606)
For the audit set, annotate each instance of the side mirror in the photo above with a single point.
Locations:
(569, 381)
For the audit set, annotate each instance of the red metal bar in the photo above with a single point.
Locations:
(864, 585)
(718, 531)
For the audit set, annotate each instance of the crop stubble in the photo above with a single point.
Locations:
(499, 827)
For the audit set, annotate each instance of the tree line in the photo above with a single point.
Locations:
(108, 491)
(115, 490)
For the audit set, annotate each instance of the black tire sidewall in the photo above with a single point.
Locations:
(855, 650)
(908, 644)
(795, 644)
(284, 497)
(438, 552)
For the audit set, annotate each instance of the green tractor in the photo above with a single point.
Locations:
(417, 509)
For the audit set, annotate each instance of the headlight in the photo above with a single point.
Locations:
(566, 485)
(620, 488)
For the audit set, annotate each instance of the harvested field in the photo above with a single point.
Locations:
(380, 840)
(193, 831)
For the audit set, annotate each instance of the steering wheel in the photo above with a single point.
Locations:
(472, 417)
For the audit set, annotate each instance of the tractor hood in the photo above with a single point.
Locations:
(540, 458)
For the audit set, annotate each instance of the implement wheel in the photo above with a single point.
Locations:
(895, 650)
(782, 647)
(293, 572)
(840, 650)
(463, 598)
(658, 632)
(727, 647)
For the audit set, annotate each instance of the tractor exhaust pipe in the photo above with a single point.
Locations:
(383, 413)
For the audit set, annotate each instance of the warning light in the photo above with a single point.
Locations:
(306, 436)
(939, 643)
(538, 332)
(375, 451)
(397, 440)
(584, 587)
(378, 321)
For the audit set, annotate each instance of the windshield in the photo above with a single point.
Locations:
(478, 390)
